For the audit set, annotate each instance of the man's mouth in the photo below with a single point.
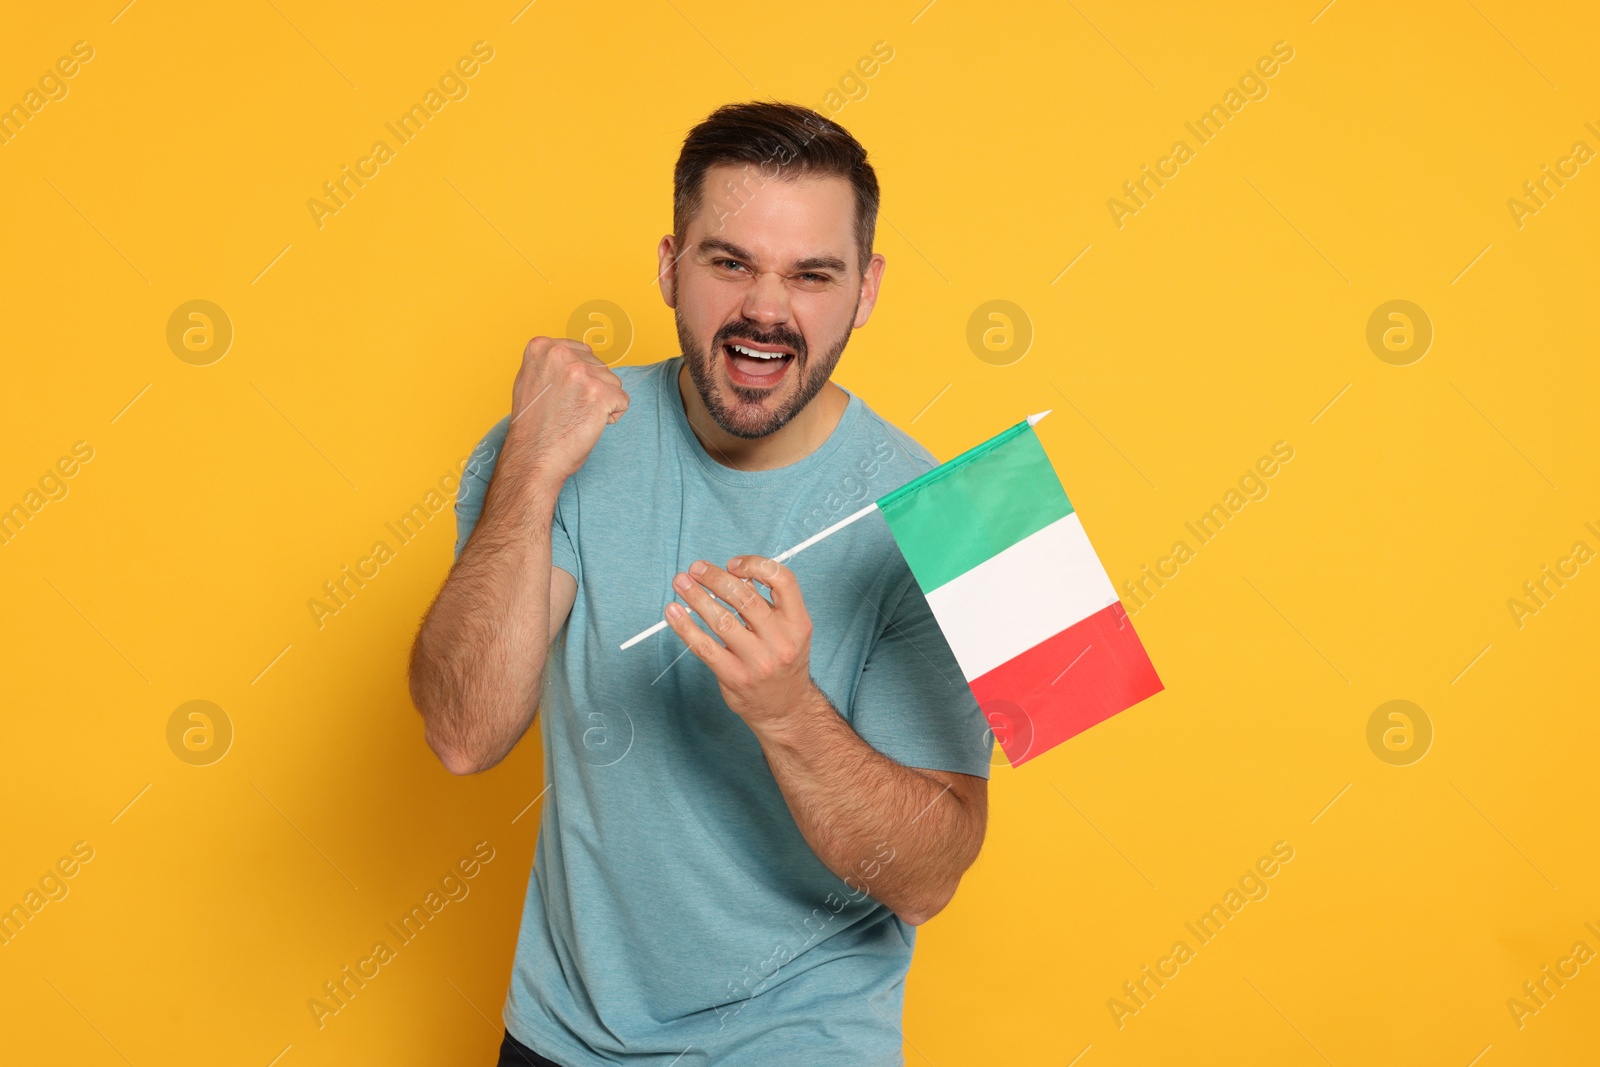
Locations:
(756, 366)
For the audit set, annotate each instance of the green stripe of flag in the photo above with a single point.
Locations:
(978, 504)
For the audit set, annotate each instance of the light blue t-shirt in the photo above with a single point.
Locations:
(676, 915)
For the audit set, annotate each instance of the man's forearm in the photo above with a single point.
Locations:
(850, 800)
(479, 656)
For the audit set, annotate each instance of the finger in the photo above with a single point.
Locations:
(741, 595)
(775, 576)
(619, 405)
(724, 623)
(590, 378)
(542, 346)
(584, 351)
(702, 644)
(591, 368)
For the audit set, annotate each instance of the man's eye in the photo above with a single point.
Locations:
(732, 263)
(814, 277)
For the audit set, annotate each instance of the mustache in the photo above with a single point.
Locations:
(749, 331)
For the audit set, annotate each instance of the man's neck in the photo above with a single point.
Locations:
(797, 439)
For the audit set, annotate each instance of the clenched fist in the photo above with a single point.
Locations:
(563, 397)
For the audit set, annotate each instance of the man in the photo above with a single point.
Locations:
(741, 831)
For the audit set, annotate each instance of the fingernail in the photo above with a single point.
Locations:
(736, 563)
(673, 611)
(680, 583)
(696, 567)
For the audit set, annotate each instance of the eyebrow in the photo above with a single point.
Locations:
(717, 244)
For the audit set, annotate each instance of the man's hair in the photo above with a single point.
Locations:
(784, 141)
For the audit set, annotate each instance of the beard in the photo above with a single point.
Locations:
(744, 412)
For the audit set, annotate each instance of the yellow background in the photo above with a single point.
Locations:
(1229, 313)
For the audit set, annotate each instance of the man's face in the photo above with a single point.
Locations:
(768, 265)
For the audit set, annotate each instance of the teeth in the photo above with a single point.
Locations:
(753, 354)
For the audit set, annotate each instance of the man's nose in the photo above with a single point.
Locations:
(767, 300)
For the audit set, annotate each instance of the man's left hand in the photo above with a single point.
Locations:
(763, 661)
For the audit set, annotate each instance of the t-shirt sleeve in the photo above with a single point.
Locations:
(475, 486)
(912, 702)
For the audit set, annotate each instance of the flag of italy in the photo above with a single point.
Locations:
(1023, 601)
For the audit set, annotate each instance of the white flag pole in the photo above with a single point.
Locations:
(779, 558)
(1033, 420)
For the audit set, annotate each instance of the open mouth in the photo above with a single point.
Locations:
(756, 366)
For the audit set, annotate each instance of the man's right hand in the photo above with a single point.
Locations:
(478, 661)
(563, 397)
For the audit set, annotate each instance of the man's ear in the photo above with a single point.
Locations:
(870, 280)
(667, 269)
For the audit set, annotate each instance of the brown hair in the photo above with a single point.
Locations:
(784, 141)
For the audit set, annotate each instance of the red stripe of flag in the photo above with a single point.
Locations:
(1065, 684)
